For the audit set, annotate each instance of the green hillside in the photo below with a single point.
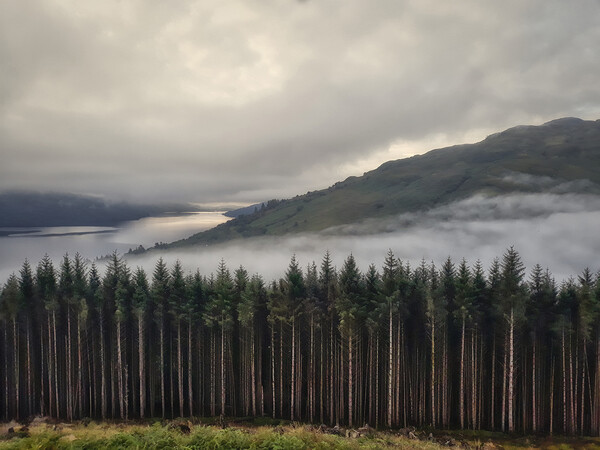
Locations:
(520, 159)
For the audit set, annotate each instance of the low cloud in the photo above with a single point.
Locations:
(554, 230)
(550, 229)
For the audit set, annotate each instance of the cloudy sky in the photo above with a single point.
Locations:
(249, 100)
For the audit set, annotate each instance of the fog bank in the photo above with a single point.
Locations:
(554, 230)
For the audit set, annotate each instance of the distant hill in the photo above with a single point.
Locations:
(246, 210)
(34, 209)
(561, 155)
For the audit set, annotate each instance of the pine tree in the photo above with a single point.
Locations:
(513, 302)
(28, 300)
(47, 291)
(96, 302)
(351, 311)
(177, 295)
(462, 313)
(252, 297)
(160, 297)
(9, 309)
(294, 291)
(141, 297)
(391, 290)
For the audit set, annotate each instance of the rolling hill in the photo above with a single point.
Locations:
(36, 209)
(558, 156)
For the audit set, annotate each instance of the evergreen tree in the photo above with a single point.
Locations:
(513, 302)
(31, 308)
(140, 300)
(160, 297)
(177, 295)
(9, 309)
(351, 311)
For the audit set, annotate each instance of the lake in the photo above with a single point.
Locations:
(93, 242)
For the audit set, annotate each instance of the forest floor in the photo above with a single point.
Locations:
(239, 434)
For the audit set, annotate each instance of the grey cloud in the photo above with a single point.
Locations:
(253, 98)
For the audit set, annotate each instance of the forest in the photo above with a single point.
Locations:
(454, 346)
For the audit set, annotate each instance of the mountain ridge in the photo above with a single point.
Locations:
(560, 151)
(53, 209)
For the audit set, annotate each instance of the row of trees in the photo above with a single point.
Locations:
(454, 346)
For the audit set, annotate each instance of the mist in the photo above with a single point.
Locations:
(554, 230)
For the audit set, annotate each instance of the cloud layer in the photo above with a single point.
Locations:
(550, 229)
(250, 100)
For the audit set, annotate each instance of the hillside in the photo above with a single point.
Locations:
(35, 209)
(560, 155)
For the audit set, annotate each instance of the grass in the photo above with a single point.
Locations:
(257, 435)
(165, 436)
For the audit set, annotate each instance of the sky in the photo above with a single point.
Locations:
(243, 101)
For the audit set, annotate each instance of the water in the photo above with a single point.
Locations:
(93, 242)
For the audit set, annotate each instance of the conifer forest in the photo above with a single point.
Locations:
(456, 345)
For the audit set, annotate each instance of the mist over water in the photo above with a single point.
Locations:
(93, 242)
(557, 231)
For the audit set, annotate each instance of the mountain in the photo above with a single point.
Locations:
(245, 210)
(34, 209)
(561, 155)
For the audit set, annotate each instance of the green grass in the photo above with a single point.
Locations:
(157, 436)
(262, 435)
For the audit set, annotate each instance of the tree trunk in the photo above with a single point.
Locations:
(80, 370)
(120, 372)
(179, 368)
(321, 380)
(533, 383)
(102, 368)
(42, 382)
(473, 378)
(331, 375)
(190, 378)
(350, 384)
(377, 382)
(564, 379)
(29, 386)
(432, 391)
(141, 364)
(293, 368)
(571, 393)
(581, 416)
(223, 370)
(493, 388)
(6, 396)
(390, 367)
(253, 370)
(162, 369)
(273, 368)
(281, 368)
(69, 368)
(552, 397)
(511, 369)
(504, 378)
(16, 366)
(55, 365)
(461, 400)
(311, 372)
